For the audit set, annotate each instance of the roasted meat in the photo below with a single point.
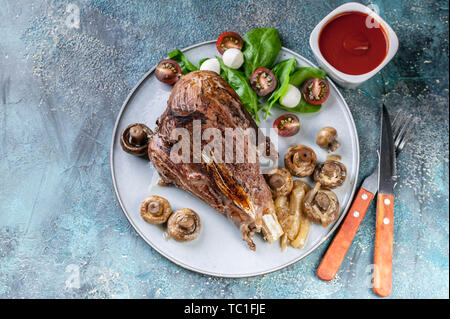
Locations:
(236, 189)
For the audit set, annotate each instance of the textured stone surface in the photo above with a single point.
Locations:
(61, 89)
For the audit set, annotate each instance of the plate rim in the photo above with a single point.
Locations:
(179, 263)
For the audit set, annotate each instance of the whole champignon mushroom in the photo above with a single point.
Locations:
(155, 210)
(321, 205)
(300, 160)
(280, 181)
(134, 139)
(326, 138)
(184, 225)
(330, 174)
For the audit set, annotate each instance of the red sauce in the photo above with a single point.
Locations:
(350, 46)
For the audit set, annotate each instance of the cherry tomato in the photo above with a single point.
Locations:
(168, 71)
(229, 40)
(316, 91)
(263, 81)
(286, 125)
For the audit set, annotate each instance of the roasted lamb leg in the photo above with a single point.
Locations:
(236, 189)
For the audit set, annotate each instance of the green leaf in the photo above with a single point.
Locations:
(302, 107)
(286, 74)
(185, 65)
(239, 83)
(282, 71)
(303, 73)
(261, 48)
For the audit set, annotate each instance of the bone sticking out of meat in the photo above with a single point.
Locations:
(236, 189)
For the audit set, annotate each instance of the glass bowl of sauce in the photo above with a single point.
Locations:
(352, 44)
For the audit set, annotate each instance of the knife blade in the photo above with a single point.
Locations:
(386, 165)
(384, 233)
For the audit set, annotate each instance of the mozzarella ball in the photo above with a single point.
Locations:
(292, 97)
(233, 58)
(211, 65)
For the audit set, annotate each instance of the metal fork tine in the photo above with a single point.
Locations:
(396, 127)
(399, 120)
(394, 121)
(406, 137)
(401, 134)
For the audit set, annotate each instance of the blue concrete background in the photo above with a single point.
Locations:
(62, 232)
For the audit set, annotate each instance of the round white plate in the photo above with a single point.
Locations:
(219, 250)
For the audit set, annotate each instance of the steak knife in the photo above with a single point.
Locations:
(384, 233)
(338, 248)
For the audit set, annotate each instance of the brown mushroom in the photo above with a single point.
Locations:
(155, 210)
(184, 225)
(326, 138)
(300, 160)
(280, 181)
(330, 174)
(134, 139)
(321, 205)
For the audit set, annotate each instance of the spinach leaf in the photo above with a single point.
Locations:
(185, 65)
(261, 48)
(282, 71)
(302, 107)
(286, 74)
(303, 73)
(239, 83)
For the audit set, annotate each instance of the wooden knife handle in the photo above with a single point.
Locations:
(341, 243)
(384, 245)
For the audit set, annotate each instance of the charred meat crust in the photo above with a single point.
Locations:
(205, 96)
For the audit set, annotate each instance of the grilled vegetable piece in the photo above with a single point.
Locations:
(321, 205)
(300, 160)
(280, 181)
(297, 199)
(330, 174)
(155, 210)
(184, 225)
(326, 138)
(135, 138)
(283, 214)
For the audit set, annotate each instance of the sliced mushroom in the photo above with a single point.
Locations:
(330, 174)
(300, 160)
(321, 205)
(282, 211)
(184, 225)
(134, 139)
(280, 181)
(155, 210)
(326, 138)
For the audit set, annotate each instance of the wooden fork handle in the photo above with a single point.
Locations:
(341, 243)
(384, 245)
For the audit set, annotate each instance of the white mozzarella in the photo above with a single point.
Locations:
(233, 58)
(292, 97)
(211, 65)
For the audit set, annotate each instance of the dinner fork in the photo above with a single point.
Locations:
(402, 127)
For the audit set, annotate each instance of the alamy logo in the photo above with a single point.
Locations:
(231, 145)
